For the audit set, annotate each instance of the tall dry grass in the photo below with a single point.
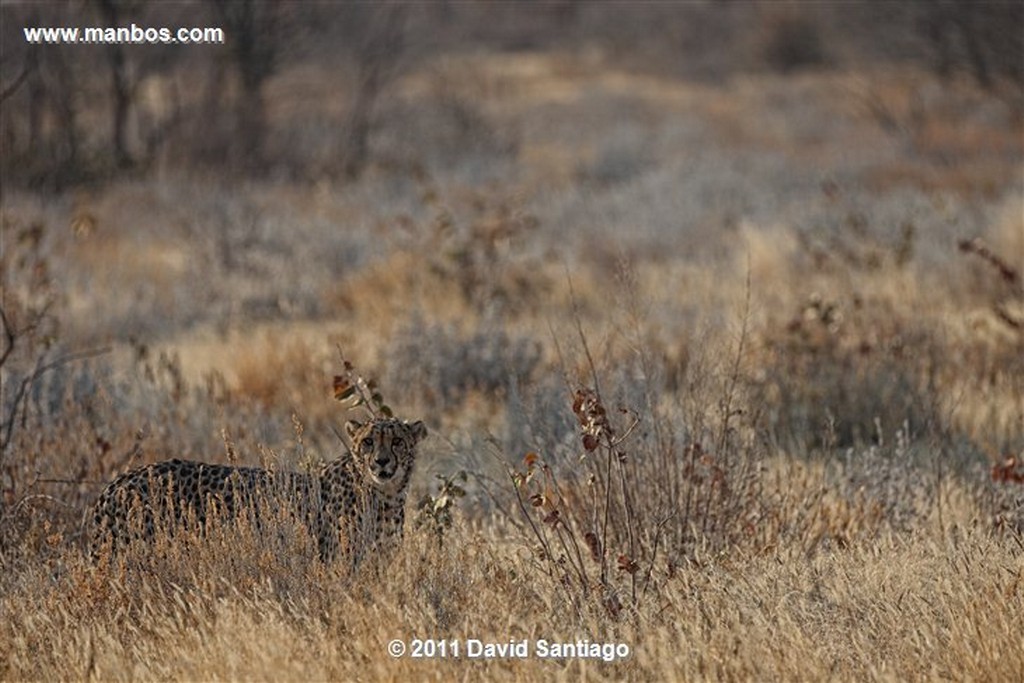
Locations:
(707, 552)
(928, 605)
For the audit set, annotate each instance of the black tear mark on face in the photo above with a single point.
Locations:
(380, 459)
(384, 448)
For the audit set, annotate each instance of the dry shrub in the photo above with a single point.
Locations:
(277, 373)
(987, 338)
(637, 497)
(443, 366)
(961, 140)
(995, 266)
(837, 374)
(471, 257)
(442, 130)
(793, 41)
(847, 353)
(619, 489)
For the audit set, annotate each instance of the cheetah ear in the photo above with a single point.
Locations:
(351, 427)
(417, 430)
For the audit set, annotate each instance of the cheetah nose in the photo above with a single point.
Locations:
(382, 462)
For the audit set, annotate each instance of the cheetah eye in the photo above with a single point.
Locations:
(366, 444)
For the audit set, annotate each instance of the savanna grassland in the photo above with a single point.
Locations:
(730, 371)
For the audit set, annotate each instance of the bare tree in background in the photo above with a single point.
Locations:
(253, 37)
(43, 139)
(986, 38)
(7, 90)
(376, 60)
(115, 13)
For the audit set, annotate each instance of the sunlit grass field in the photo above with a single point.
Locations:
(732, 375)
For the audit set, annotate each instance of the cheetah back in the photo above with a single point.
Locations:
(184, 494)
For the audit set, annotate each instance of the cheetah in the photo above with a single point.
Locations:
(352, 506)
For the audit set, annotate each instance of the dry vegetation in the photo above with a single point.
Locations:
(735, 374)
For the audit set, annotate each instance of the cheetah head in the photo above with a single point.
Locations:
(384, 449)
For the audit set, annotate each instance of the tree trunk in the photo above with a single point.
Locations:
(121, 87)
(252, 123)
(122, 96)
(357, 138)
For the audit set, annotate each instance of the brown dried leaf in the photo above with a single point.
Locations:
(628, 565)
(343, 388)
(1010, 470)
(577, 402)
(594, 544)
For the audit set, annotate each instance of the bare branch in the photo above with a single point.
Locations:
(17, 82)
(9, 337)
(7, 429)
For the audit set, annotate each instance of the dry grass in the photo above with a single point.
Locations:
(792, 388)
(927, 605)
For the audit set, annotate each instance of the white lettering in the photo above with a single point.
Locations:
(582, 649)
(512, 649)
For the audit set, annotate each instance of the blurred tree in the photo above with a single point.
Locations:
(794, 41)
(376, 58)
(984, 38)
(7, 90)
(39, 116)
(116, 13)
(254, 40)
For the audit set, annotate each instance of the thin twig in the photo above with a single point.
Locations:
(357, 382)
(9, 337)
(654, 552)
(526, 515)
(483, 482)
(17, 82)
(581, 567)
(41, 369)
(38, 496)
(629, 430)
(600, 400)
